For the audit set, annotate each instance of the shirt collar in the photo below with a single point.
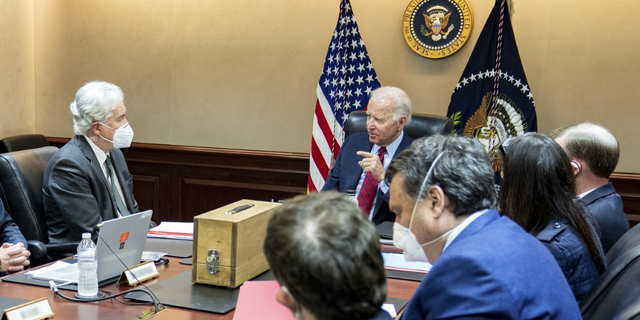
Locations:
(391, 148)
(100, 155)
(458, 229)
(582, 195)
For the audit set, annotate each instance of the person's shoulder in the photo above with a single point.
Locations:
(552, 230)
(355, 140)
(71, 148)
(358, 136)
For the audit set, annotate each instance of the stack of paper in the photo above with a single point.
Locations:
(396, 261)
(172, 230)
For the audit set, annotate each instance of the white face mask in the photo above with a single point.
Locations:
(404, 238)
(122, 137)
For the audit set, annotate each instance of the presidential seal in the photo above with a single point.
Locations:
(492, 127)
(437, 28)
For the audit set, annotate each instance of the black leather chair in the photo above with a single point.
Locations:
(421, 125)
(21, 178)
(23, 142)
(616, 294)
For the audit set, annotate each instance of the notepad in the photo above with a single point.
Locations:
(172, 230)
(257, 300)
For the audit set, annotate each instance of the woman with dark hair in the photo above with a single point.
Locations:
(538, 193)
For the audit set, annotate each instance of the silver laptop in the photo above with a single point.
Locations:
(125, 236)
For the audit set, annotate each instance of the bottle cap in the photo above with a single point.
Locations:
(86, 235)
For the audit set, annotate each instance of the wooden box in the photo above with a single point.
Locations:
(237, 239)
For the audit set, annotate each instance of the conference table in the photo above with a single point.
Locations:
(110, 309)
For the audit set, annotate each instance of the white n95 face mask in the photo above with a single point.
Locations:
(122, 137)
(404, 239)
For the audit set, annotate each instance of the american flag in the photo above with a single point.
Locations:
(345, 85)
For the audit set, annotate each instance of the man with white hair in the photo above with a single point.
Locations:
(363, 157)
(594, 154)
(88, 181)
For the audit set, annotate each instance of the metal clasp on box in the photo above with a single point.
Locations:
(213, 261)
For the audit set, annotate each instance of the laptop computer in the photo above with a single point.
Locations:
(124, 236)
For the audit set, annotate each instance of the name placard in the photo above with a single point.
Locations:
(33, 310)
(139, 273)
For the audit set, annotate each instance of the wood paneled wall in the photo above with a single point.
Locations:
(180, 182)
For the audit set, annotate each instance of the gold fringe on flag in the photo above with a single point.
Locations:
(511, 11)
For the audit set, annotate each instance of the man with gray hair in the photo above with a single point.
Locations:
(484, 266)
(326, 257)
(594, 154)
(363, 157)
(88, 181)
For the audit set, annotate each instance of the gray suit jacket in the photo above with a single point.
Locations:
(76, 193)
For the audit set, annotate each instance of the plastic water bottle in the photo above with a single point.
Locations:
(88, 267)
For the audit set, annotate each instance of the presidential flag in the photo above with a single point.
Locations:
(493, 100)
(345, 85)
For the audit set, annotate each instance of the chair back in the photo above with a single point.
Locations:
(421, 125)
(616, 294)
(21, 178)
(23, 142)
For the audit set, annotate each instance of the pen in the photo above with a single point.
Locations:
(240, 208)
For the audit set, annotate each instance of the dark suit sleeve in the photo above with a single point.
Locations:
(333, 180)
(9, 231)
(70, 189)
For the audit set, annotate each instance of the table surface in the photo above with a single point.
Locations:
(110, 309)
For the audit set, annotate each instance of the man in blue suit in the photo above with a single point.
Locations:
(484, 265)
(594, 154)
(360, 166)
(13, 255)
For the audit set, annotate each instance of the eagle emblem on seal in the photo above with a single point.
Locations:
(436, 20)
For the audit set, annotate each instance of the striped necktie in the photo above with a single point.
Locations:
(122, 207)
(369, 187)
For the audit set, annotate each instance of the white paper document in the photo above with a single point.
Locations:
(390, 308)
(57, 271)
(396, 261)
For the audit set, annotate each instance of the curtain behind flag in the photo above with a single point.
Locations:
(493, 101)
(345, 85)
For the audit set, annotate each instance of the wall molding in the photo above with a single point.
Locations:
(179, 182)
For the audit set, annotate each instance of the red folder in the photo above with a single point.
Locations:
(257, 300)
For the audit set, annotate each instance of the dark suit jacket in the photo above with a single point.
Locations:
(494, 270)
(605, 206)
(346, 173)
(9, 231)
(76, 193)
